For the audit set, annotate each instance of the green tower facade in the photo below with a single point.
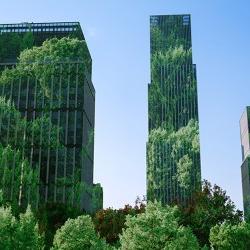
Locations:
(173, 151)
(60, 100)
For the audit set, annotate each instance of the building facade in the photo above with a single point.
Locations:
(245, 167)
(173, 112)
(69, 106)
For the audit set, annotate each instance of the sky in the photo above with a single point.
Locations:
(117, 34)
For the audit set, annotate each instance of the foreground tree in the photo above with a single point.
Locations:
(110, 222)
(78, 234)
(51, 216)
(228, 236)
(157, 228)
(208, 208)
(19, 234)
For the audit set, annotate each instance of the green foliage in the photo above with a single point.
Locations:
(49, 60)
(209, 207)
(51, 216)
(27, 41)
(157, 228)
(175, 38)
(27, 234)
(183, 147)
(110, 222)
(8, 227)
(97, 197)
(54, 50)
(19, 234)
(227, 236)
(77, 234)
(246, 201)
(11, 44)
(18, 180)
(12, 126)
(171, 59)
(20, 133)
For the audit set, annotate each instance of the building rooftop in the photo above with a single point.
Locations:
(40, 27)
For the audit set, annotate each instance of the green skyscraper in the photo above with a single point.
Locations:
(173, 152)
(61, 101)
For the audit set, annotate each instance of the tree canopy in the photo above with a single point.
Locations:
(227, 236)
(209, 207)
(20, 234)
(157, 228)
(77, 234)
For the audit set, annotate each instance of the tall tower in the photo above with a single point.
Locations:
(70, 106)
(173, 154)
(245, 167)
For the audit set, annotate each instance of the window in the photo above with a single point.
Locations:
(186, 20)
(154, 20)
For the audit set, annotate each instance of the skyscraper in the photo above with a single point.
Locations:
(68, 103)
(173, 154)
(245, 167)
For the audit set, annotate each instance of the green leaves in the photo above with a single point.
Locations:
(157, 228)
(227, 236)
(18, 180)
(184, 171)
(11, 44)
(19, 234)
(167, 149)
(50, 60)
(78, 234)
(209, 207)
(8, 227)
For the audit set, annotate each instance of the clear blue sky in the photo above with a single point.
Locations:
(117, 33)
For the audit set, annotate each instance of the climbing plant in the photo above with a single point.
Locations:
(182, 163)
(11, 44)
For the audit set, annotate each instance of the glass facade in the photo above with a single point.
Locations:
(69, 106)
(172, 106)
(245, 167)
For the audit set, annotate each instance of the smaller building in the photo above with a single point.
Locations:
(245, 167)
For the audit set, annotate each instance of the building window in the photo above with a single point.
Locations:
(186, 20)
(154, 20)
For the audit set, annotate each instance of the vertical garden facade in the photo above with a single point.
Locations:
(58, 107)
(173, 151)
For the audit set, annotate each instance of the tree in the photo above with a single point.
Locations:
(27, 235)
(110, 222)
(227, 236)
(51, 216)
(77, 234)
(209, 207)
(8, 227)
(19, 234)
(157, 228)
